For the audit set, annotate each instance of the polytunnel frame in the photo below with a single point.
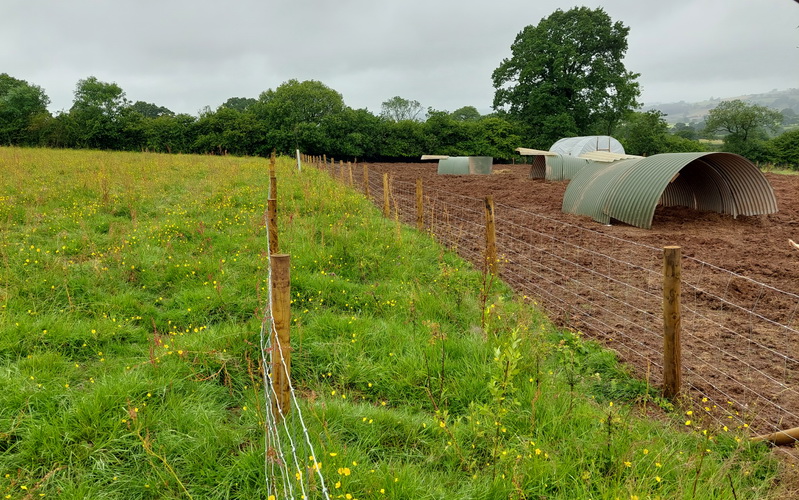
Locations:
(630, 190)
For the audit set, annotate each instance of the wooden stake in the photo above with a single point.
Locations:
(349, 169)
(672, 323)
(272, 222)
(419, 206)
(280, 336)
(386, 198)
(273, 187)
(491, 236)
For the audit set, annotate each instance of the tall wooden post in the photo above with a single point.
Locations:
(419, 206)
(491, 237)
(280, 338)
(272, 223)
(386, 197)
(672, 323)
(366, 179)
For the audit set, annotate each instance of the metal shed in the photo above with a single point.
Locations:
(466, 165)
(630, 190)
(576, 146)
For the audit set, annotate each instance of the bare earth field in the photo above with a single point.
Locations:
(739, 280)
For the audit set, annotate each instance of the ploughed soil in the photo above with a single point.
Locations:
(741, 350)
(754, 246)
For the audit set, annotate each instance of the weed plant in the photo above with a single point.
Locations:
(131, 296)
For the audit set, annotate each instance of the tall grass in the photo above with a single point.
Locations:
(131, 293)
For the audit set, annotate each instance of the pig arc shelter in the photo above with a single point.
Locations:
(630, 190)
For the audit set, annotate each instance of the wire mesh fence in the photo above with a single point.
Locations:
(738, 334)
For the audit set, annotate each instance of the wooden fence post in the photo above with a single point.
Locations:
(366, 179)
(386, 198)
(349, 169)
(272, 223)
(280, 337)
(672, 323)
(491, 237)
(419, 206)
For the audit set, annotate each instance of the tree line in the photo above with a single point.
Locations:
(565, 77)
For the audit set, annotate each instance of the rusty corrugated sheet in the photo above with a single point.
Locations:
(631, 189)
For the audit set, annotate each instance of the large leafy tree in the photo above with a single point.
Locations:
(744, 125)
(293, 112)
(22, 105)
(566, 76)
(399, 109)
(101, 116)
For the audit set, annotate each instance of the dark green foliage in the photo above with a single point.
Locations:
(784, 149)
(22, 107)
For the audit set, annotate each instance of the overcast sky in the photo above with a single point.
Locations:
(187, 54)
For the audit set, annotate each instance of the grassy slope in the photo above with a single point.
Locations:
(130, 304)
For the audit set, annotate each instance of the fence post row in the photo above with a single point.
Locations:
(672, 323)
(280, 338)
(491, 237)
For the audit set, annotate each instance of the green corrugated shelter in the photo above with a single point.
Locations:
(563, 167)
(630, 190)
(466, 165)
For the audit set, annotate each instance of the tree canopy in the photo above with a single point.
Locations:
(566, 76)
(20, 103)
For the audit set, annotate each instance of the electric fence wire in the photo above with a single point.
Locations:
(274, 456)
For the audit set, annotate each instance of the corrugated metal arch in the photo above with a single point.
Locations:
(587, 192)
(630, 190)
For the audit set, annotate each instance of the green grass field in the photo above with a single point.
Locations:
(132, 289)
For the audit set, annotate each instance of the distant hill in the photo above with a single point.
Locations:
(687, 112)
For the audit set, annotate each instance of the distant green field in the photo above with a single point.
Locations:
(132, 289)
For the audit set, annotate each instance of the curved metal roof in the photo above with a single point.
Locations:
(576, 146)
(629, 190)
